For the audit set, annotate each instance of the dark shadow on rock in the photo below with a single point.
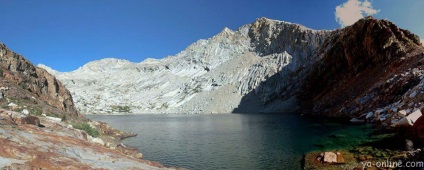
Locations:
(276, 93)
(274, 96)
(249, 104)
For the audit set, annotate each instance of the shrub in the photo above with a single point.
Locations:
(36, 111)
(124, 109)
(164, 106)
(52, 114)
(87, 128)
(23, 85)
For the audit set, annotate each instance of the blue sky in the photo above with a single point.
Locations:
(67, 34)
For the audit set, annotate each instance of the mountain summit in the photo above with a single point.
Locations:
(209, 76)
(264, 66)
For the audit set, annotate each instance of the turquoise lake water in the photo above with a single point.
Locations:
(235, 141)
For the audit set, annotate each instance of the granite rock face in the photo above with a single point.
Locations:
(209, 76)
(364, 71)
(44, 86)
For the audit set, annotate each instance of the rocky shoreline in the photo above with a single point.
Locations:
(28, 141)
(363, 157)
(396, 145)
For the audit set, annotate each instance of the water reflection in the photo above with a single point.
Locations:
(230, 141)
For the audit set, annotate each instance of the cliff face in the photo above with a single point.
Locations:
(42, 85)
(359, 60)
(209, 76)
(291, 47)
(272, 37)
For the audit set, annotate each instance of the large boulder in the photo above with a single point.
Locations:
(330, 157)
(409, 120)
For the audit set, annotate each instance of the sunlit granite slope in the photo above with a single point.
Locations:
(209, 76)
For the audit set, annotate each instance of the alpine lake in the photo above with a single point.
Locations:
(240, 141)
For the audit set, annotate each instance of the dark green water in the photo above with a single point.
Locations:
(235, 141)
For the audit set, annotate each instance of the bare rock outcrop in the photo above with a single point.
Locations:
(18, 70)
(26, 145)
(359, 68)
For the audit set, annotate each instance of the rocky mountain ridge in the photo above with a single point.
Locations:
(209, 76)
(358, 59)
(262, 67)
(17, 71)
